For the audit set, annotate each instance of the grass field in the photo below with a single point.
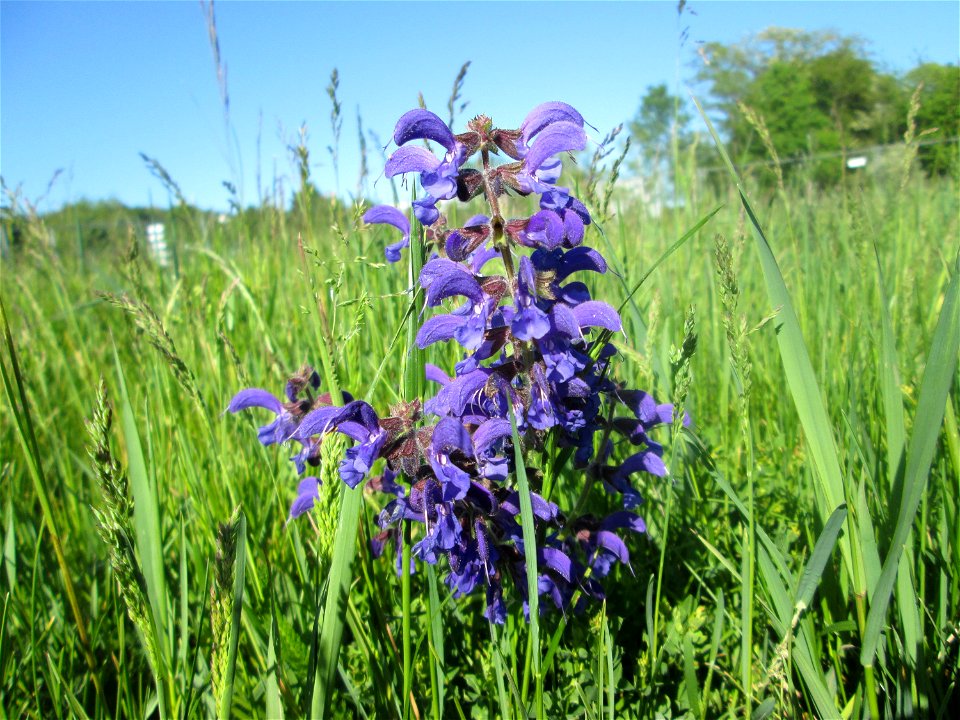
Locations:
(801, 561)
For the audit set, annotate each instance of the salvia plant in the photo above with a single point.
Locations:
(535, 372)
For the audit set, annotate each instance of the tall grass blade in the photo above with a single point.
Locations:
(146, 510)
(714, 651)
(931, 405)
(890, 382)
(801, 379)
(498, 668)
(76, 709)
(691, 687)
(818, 560)
(435, 640)
(274, 705)
(28, 443)
(239, 568)
(530, 553)
(334, 610)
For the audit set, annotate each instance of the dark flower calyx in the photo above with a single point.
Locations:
(306, 378)
(469, 184)
(470, 141)
(509, 175)
(495, 286)
(506, 140)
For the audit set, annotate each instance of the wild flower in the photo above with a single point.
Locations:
(531, 353)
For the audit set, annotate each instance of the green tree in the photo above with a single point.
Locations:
(653, 126)
(816, 92)
(939, 112)
(661, 133)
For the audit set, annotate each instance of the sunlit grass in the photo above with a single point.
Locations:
(865, 272)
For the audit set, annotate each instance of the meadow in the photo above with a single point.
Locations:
(800, 559)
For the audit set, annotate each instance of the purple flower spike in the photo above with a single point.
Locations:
(388, 215)
(423, 125)
(525, 350)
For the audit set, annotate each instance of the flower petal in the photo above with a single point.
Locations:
(556, 138)
(490, 432)
(411, 159)
(392, 252)
(453, 281)
(437, 329)
(308, 492)
(612, 542)
(436, 374)
(254, 397)
(388, 215)
(420, 124)
(557, 561)
(425, 210)
(573, 228)
(317, 421)
(624, 519)
(645, 460)
(595, 313)
(546, 114)
(449, 435)
(580, 258)
(545, 229)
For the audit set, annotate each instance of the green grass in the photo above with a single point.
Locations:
(810, 563)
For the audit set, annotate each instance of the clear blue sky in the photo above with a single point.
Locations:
(85, 87)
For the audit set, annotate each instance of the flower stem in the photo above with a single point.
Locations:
(407, 645)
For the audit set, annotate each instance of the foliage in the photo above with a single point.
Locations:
(243, 307)
(939, 116)
(819, 95)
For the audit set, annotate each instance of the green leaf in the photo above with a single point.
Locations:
(75, 707)
(530, 553)
(931, 405)
(798, 369)
(239, 567)
(334, 611)
(818, 559)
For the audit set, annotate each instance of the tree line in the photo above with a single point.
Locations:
(805, 96)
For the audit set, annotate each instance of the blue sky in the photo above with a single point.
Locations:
(85, 87)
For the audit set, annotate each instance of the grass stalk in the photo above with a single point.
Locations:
(20, 407)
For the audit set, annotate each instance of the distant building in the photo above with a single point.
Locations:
(157, 244)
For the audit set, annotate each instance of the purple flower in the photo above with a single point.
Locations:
(281, 429)
(443, 279)
(356, 420)
(537, 357)
(308, 492)
(438, 177)
(527, 321)
(450, 439)
(555, 138)
(389, 215)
